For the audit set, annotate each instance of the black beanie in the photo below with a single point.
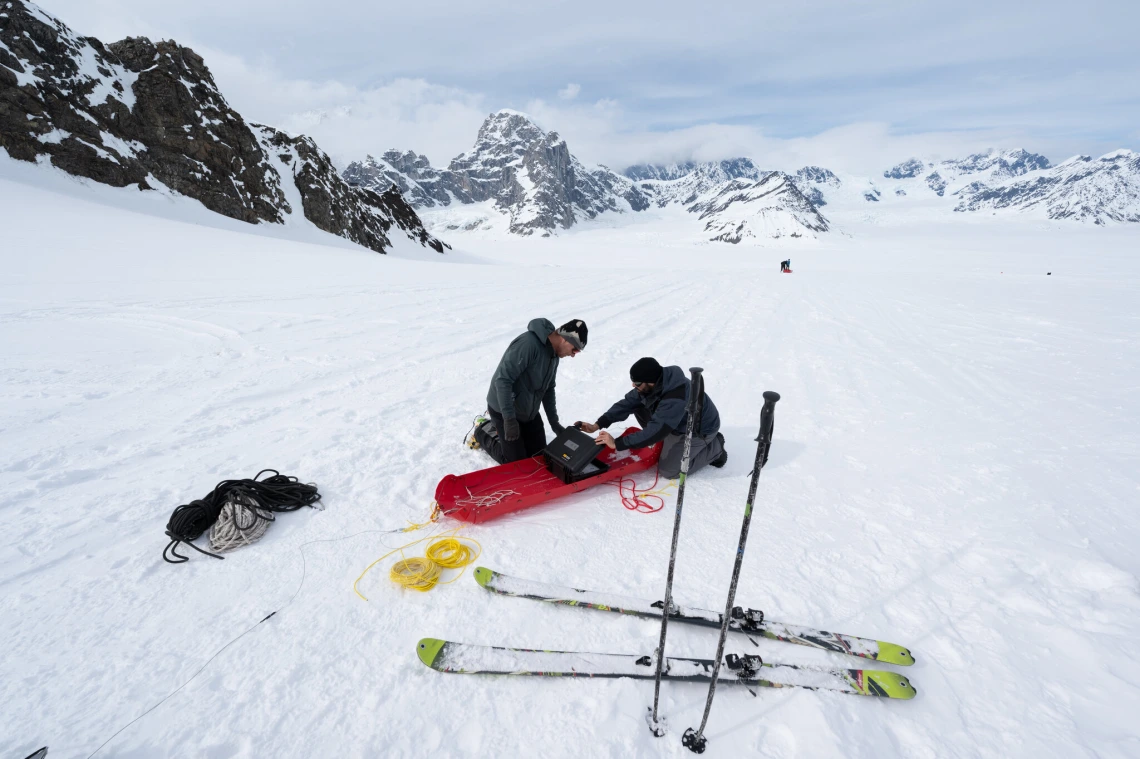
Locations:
(645, 370)
(575, 330)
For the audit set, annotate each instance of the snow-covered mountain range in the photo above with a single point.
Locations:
(528, 177)
(518, 170)
(1103, 190)
(150, 115)
(138, 113)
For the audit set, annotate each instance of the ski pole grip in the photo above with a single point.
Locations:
(768, 417)
(696, 396)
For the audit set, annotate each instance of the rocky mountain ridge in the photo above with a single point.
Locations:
(148, 114)
(530, 176)
(522, 171)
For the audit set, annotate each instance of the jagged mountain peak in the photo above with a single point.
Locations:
(818, 175)
(517, 168)
(908, 169)
(507, 126)
(1000, 163)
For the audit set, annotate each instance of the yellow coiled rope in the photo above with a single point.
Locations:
(422, 574)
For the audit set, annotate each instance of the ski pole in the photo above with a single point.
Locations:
(695, 740)
(696, 395)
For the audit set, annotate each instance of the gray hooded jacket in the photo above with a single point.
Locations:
(524, 378)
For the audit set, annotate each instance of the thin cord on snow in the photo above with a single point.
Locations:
(297, 592)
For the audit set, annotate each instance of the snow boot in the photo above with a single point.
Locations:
(483, 431)
(722, 459)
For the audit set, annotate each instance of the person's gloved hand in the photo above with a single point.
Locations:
(511, 428)
(558, 428)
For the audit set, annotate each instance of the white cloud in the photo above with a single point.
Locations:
(350, 122)
(441, 122)
(855, 86)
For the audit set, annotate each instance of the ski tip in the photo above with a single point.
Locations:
(428, 649)
(888, 685)
(894, 654)
(483, 575)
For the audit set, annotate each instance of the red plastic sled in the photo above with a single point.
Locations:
(489, 493)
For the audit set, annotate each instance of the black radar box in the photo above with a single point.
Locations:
(571, 456)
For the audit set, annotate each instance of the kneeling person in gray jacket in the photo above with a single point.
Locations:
(523, 381)
(659, 400)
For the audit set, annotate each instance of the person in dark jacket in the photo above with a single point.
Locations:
(523, 381)
(659, 400)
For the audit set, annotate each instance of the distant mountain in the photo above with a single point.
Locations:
(530, 176)
(979, 167)
(735, 199)
(769, 208)
(139, 113)
(526, 173)
(733, 168)
(684, 183)
(812, 181)
(1103, 190)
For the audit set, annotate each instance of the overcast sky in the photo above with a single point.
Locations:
(855, 86)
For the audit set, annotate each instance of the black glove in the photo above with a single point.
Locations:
(558, 428)
(511, 428)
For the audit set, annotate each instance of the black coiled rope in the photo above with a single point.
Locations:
(275, 494)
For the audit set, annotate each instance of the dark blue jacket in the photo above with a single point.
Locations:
(662, 412)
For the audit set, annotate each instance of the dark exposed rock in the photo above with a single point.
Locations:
(905, 170)
(935, 182)
(136, 112)
(332, 204)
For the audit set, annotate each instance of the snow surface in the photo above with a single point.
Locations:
(954, 470)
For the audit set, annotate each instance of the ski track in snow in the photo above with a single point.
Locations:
(954, 470)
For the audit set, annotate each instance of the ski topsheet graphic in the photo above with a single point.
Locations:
(749, 621)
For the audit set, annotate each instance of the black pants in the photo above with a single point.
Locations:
(532, 439)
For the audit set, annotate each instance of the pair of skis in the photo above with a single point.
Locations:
(448, 656)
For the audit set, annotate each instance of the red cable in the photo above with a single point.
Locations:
(635, 502)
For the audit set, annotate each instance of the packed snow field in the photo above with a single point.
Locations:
(953, 469)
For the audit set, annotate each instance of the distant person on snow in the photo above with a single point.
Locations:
(786, 265)
(659, 400)
(524, 380)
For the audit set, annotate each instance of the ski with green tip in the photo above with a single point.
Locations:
(464, 658)
(750, 622)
